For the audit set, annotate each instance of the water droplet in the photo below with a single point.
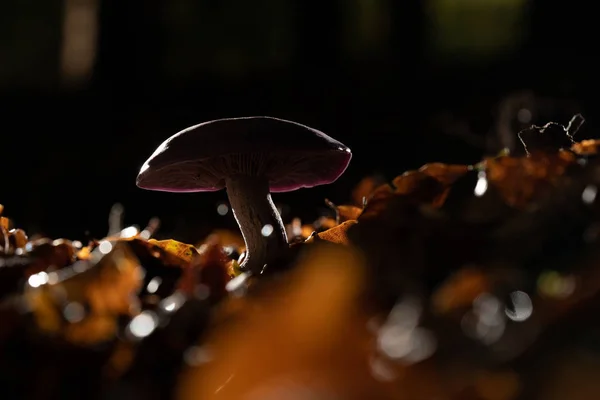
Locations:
(522, 307)
(143, 324)
(267, 230)
(74, 312)
(105, 247)
(482, 185)
(43, 277)
(222, 209)
(129, 232)
(589, 194)
(153, 285)
(173, 302)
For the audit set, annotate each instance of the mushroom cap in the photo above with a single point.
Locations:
(200, 158)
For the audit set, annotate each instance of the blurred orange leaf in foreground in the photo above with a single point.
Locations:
(306, 335)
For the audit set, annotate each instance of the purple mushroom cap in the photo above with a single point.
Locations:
(200, 158)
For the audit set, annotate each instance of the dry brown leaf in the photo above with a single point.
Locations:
(344, 213)
(212, 270)
(326, 223)
(586, 147)
(364, 189)
(309, 337)
(337, 234)
(226, 238)
(519, 179)
(107, 290)
(348, 213)
(307, 230)
(18, 238)
(186, 252)
(378, 202)
(446, 174)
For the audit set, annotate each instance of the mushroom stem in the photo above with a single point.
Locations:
(258, 219)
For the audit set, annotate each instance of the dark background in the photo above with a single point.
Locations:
(89, 88)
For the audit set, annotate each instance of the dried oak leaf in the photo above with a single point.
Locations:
(586, 147)
(344, 213)
(226, 238)
(337, 234)
(184, 251)
(519, 179)
(365, 188)
(97, 295)
(50, 254)
(4, 222)
(446, 174)
(314, 304)
(211, 270)
(428, 185)
(18, 238)
(178, 265)
(324, 223)
(307, 230)
(378, 202)
(348, 213)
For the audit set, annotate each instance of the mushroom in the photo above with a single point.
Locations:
(251, 157)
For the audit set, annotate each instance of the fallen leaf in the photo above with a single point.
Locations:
(365, 188)
(344, 213)
(446, 174)
(520, 179)
(98, 294)
(310, 336)
(182, 250)
(586, 147)
(337, 234)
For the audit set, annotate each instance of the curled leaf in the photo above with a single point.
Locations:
(586, 147)
(226, 238)
(182, 250)
(446, 174)
(365, 188)
(320, 297)
(82, 303)
(337, 234)
(519, 179)
(344, 213)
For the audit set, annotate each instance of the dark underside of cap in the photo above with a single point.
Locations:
(200, 158)
(286, 171)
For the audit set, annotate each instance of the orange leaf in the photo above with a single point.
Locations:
(182, 250)
(338, 233)
(4, 222)
(344, 213)
(348, 213)
(446, 174)
(586, 147)
(365, 189)
(519, 179)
